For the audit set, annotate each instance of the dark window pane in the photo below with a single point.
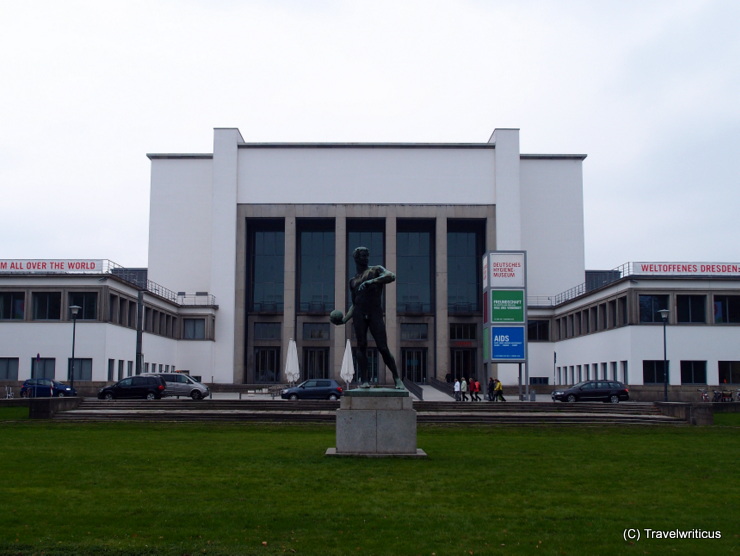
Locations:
(316, 270)
(464, 251)
(267, 263)
(691, 308)
(650, 305)
(415, 268)
(88, 304)
(47, 305)
(267, 330)
(12, 305)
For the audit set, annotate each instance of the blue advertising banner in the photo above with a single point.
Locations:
(508, 343)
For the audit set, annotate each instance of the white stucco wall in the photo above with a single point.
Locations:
(552, 224)
(366, 175)
(180, 223)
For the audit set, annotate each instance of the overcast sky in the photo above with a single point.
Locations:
(648, 89)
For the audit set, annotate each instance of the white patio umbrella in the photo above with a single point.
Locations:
(292, 370)
(348, 367)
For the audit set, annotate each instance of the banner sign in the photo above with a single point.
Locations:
(51, 265)
(507, 306)
(506, 270)
(508, 343)
(686, 269)
(505, 303)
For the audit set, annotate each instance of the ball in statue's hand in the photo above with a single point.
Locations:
(336, 316)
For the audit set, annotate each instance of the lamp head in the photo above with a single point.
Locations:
(74, 309)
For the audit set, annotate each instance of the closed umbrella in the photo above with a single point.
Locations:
(348, 367)
(292, 370)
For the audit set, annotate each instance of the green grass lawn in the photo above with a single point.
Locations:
(204, 488)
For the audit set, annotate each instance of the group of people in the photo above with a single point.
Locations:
(464, 386)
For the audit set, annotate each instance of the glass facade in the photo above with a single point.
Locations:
(414, 267)
(464, 254)
(316, 269)
(267, 266)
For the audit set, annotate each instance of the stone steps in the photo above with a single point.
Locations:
(325, 411)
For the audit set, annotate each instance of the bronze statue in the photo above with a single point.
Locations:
(366, 312)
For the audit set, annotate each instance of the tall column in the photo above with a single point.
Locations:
(223, 244)
(391, 295)
(442, 337)
(341, 333)
(289, 290)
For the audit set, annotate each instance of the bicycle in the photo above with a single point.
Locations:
(704, 394)
(8, 393)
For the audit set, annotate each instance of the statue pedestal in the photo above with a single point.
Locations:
(376, 422)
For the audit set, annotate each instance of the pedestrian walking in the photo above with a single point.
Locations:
(464, 389)
(456, 388)
(499, 391)
(477, 390)
(491, 386)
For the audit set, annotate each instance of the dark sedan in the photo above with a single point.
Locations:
(147, 387)
(594, 390)
(313, 389)
(46, 388)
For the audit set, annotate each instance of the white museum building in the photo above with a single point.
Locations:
(251, 245)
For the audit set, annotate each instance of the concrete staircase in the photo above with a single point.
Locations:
(514, 413)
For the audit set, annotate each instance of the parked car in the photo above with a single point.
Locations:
(594, 390)
(45, 388)
(180, 384)
(147, 387)
(313, 389)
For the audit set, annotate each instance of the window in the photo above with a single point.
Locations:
(693, 372)
(729, 372)
(414, 331)
(8, 368)
(47, 305)
(88, 303)
(727, 308)
(650, 305)
(464, 253)
(315, 331)
(12, 305)
(415, 263)
(539, 380)
(194, 329)
(461, 331)
(316, 362)
(43, 367)
(266, 364)
(267, 330)
(316, 266)
(82, 368)
(266, 265)
(653, 372)
(691, 308)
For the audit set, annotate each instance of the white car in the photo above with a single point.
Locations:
(180, 384)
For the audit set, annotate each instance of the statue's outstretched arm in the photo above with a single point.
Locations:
(385, 277)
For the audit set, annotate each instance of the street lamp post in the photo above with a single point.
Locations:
(664, 315)
(74, 309)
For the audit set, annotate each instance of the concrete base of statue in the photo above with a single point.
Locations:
(376, 422)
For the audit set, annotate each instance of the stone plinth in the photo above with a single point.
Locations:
(376, 422)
